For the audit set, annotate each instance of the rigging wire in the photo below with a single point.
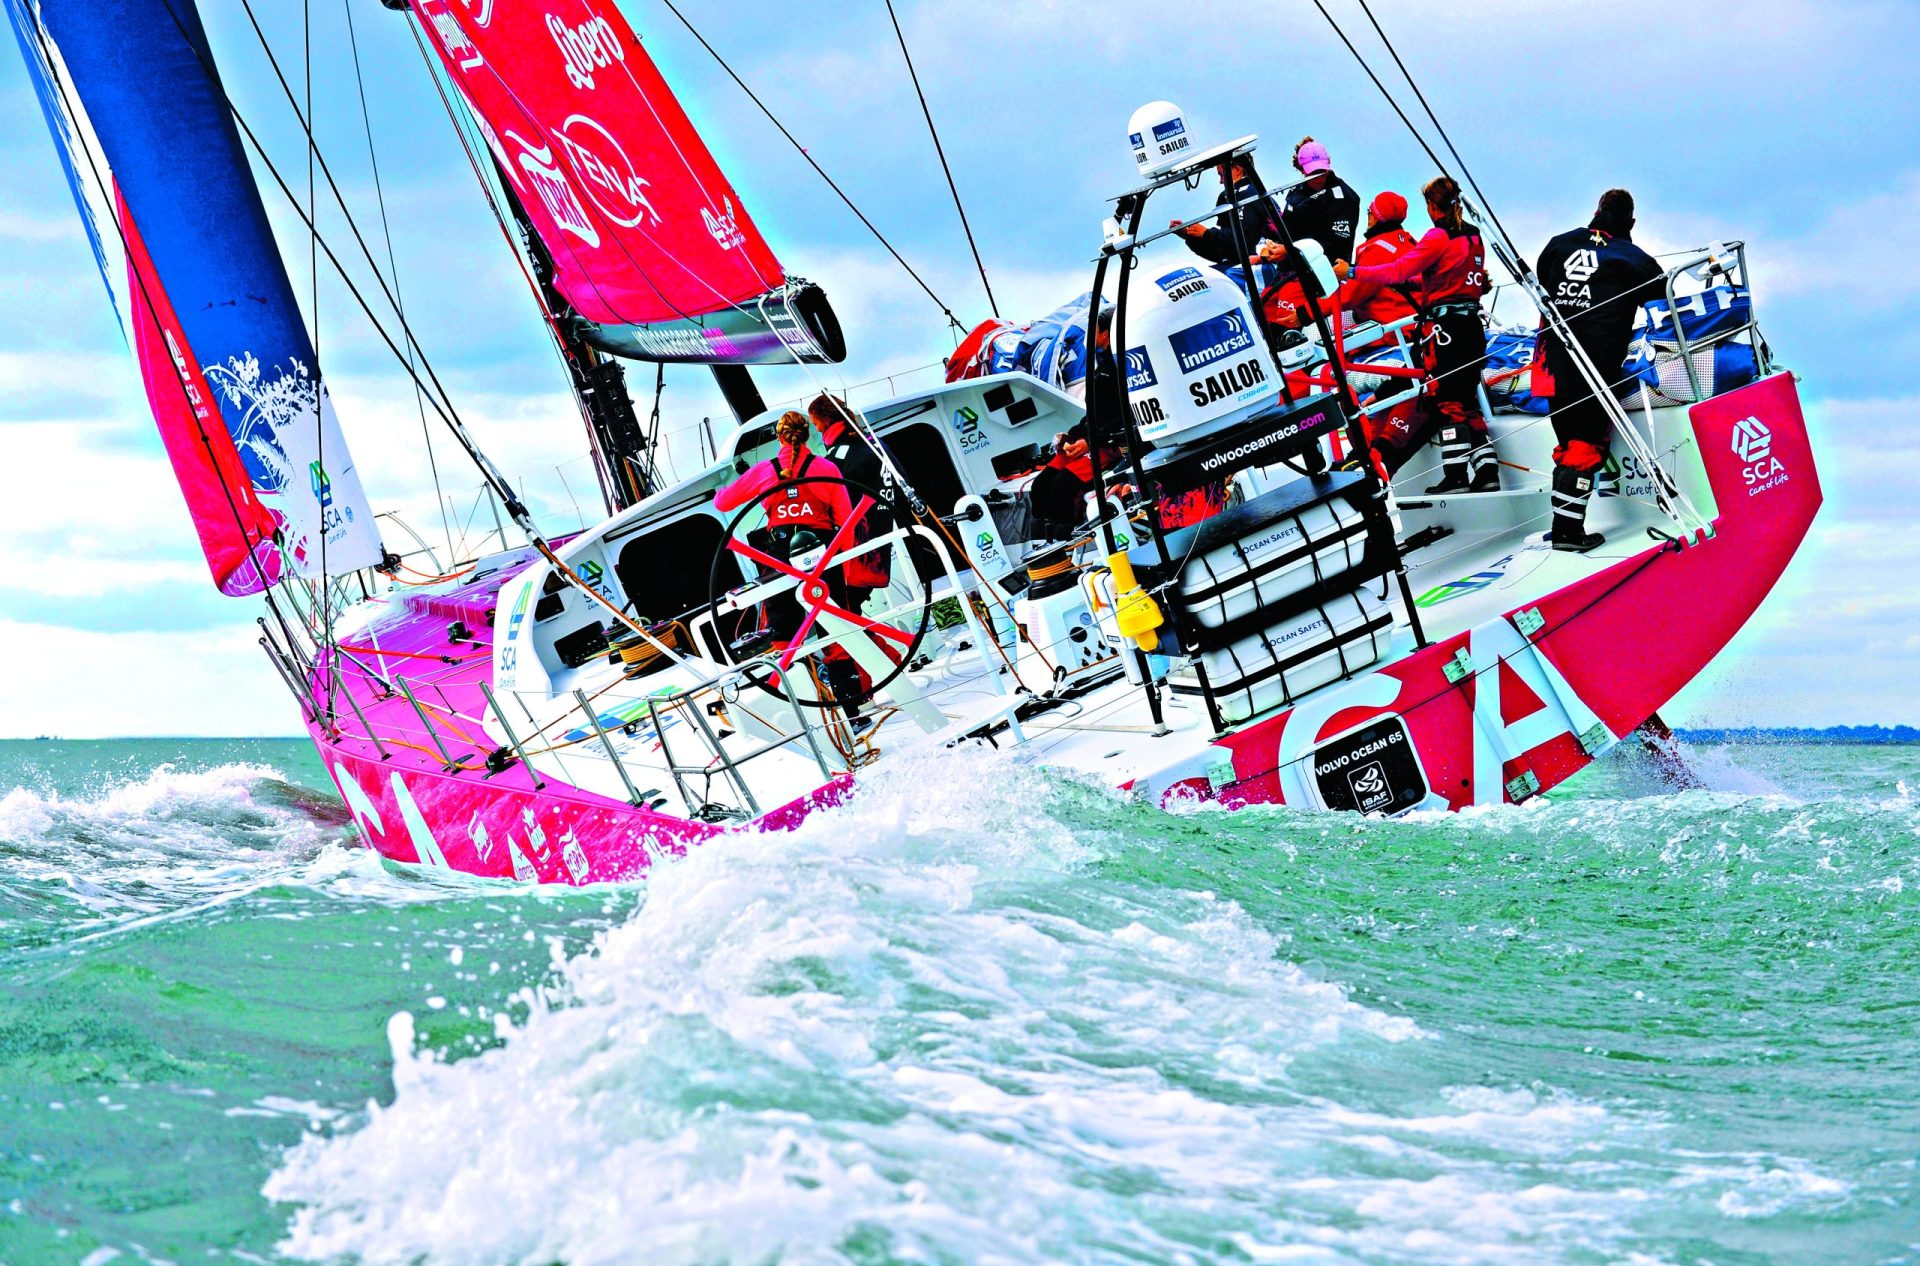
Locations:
(393, 268)
(940, 150)
(442, 402)
(1440, 128)
(1390, 99)
(1672, 502)
(818, 169)
(324, 599)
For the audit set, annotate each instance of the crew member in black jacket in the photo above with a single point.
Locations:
(1596, 279)
(1323, 208)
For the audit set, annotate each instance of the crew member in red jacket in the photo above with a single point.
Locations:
(1386, 240)
(800, 517)
(1449, 267)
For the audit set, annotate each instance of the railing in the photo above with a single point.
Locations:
(1711, 261)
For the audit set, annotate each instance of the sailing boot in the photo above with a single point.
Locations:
(1456, 450)
(1483, 465)
(1572, 490)
(843, 679)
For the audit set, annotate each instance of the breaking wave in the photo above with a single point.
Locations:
(981, 1016)
(170, 844)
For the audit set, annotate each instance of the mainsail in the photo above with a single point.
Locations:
(131, 84)
(650, 243)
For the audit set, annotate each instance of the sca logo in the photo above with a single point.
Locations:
(1582, 265)
(1753, 444)
(321, 483)
(966, 424)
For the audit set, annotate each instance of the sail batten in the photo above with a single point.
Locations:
(650, 242)
(210, 310)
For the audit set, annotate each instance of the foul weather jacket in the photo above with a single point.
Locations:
(1327, 215)
(1447, 265)
(1597, 281)
(860, 464)
(1374, 300)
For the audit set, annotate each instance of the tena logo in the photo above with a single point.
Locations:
(610, 177)
(1582, 264)
(1752, 441)
(724, 227)
(1140, 373)
(591, 46)
(551, 188)
(453, 38)
(1214, 339)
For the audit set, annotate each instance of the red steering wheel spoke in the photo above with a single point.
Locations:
(813, 594)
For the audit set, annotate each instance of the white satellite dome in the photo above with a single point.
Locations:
(1158, 134)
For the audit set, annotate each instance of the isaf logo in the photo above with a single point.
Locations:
(1752, 441)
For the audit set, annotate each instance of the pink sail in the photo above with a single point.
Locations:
(235, 528)
(642, 225)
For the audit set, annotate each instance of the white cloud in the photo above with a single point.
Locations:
(93, 685)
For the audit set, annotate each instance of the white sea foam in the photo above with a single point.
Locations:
(178, 841)
(940, 1024)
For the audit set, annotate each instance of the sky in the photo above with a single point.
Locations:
(1793, 126)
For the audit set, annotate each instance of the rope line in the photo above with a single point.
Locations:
(393, 268)
(927, 113)
(818, 169)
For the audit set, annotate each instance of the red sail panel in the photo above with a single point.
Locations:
(641, 223)
(236, 529)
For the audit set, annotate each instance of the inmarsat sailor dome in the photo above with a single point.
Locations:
(1194, 355)
(1158, 133)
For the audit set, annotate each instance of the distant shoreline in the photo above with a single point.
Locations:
(1860, 735)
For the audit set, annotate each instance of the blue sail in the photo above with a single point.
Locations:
(144, 77)
(41, 74)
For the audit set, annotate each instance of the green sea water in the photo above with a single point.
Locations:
(978, 1015)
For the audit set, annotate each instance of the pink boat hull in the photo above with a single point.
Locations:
(1614, 647)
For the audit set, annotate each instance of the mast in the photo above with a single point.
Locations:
(622, 450)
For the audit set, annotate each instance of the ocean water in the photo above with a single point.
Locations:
(975, 1016)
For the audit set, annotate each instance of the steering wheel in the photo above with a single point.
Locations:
(811, 591)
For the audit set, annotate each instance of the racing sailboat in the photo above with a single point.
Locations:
(1319, 633)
